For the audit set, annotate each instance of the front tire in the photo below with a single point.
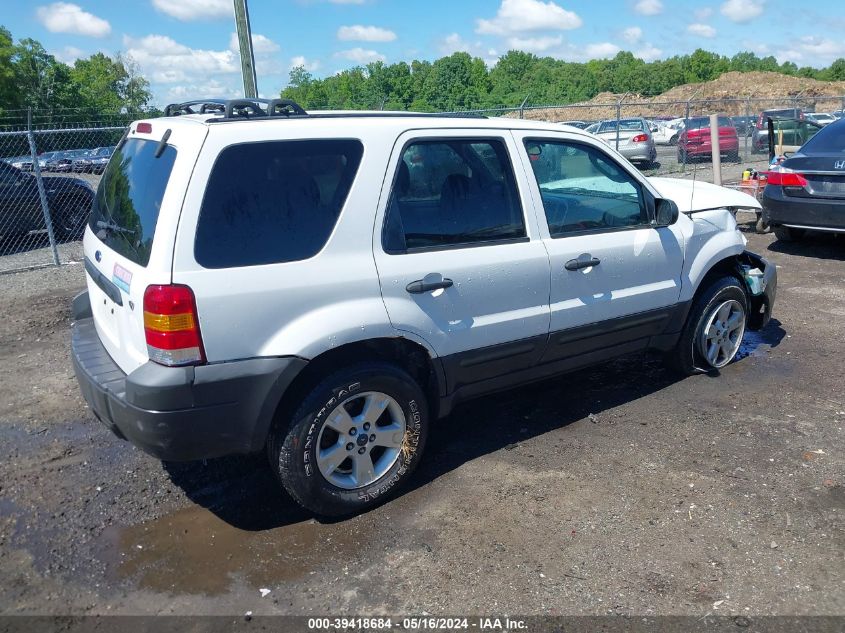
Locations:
(714, 329)
(354, 441)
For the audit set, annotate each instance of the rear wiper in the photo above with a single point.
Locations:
(111, 226)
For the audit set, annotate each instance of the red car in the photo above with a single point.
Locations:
(694, 141)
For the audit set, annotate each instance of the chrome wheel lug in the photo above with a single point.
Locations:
(362, 450)
(353, 431)
(373, 438)
(350, 446)
(366, 426)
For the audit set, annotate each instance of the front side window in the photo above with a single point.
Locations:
(583, 189)
(453, 192)
(274, 202)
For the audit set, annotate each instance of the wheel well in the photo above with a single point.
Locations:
(723, 268)
(410, 356)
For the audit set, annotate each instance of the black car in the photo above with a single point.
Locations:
(63, 161)
(807, 191)
(744, 124)
(69, 201)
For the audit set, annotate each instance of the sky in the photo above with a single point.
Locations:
(187, 48)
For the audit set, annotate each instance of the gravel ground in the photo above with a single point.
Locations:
(621, 490)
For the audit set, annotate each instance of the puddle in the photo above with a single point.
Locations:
(195, 551)
(753, 344)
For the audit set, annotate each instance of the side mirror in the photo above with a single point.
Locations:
(665, 212)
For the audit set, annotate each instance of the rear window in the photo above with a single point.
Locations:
(274, 202)
(699, 123)
(129, 198)
(829, 140)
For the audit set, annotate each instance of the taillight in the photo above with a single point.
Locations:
(786, 179)
(640, 138)
(171, 326)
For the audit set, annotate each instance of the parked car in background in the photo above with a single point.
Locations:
(592, 128)
(695, 141)
(744, 125)
(94, 161)
(63, 161)
(634, 139)
(806, 192)
(69, 201)
(668, 132)
(18, 162)
(821, 118)
(838, 114)
(578, 124)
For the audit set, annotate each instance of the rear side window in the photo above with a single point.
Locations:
(453, 192)
(129, 198)
(274, 202)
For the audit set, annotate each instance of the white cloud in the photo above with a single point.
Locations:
(601, 50)
(649, 7)
(69, 54)
(210, 88)
(535, 44)
(520, 16)
(648, 53)
(632, 34)
(812, 50)
(163, 60)
(454, 43)
(742, 10)
(309, 64)
(361, 56)
(64, 17)
(360, 33)
(190, 10)
(261, 44)
(701, 30)
(703, 14)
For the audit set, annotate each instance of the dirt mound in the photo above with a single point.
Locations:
(733, 93)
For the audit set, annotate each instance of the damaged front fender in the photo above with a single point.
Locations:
(761, 291)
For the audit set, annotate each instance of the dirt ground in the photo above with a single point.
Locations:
(621, 490)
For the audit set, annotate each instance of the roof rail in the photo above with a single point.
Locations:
(285, 107)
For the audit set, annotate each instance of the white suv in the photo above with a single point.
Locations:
(323, 286)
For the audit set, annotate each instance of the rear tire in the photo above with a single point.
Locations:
(717, 318)
(788, 234)
(353, 442)
(69, 221)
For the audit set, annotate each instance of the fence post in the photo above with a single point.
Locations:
(42, 195)
(522, 106)
(715, 149)
(747, 125)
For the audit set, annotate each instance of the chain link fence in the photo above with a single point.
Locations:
(666, 122)
(48, 177)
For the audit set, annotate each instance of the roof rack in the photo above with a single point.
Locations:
(251, 109)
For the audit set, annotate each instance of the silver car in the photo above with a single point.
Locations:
(635, 140)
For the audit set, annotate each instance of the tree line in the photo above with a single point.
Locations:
(92, 88)
(460, 81)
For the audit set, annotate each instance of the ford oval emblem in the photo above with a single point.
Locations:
(98, 256)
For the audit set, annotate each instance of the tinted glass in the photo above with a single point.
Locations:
(583, 189)
(625, 125)
(704, 122)
(828, 140)
(267, 203)
(453, 192)
(129, 198)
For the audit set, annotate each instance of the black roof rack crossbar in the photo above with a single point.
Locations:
(285, 107)
(246, 108)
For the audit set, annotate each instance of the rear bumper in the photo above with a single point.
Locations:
(814, 213)
(180, 413)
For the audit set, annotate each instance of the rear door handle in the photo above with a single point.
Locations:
(578, 264)
(432, 281)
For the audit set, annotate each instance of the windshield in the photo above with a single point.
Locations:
(129, 198)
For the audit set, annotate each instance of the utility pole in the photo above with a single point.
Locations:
(245, 46)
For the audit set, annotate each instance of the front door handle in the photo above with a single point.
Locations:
(586, 261)
(432, 281)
